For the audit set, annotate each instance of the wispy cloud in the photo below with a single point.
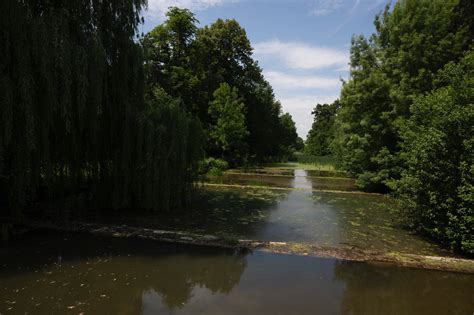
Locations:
(297, 55)
(158, 8)
(302, 75)
(325, 7)
(285, 81)
(300, 108)
(347, 7)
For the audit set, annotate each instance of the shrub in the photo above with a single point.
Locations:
(213, 166)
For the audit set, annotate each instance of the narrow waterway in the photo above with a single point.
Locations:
(81, 274)
(300, 214)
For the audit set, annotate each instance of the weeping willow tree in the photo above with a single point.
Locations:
(170, 147)
(72, 111)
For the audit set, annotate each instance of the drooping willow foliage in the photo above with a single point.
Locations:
(170, 147)
(72, 112)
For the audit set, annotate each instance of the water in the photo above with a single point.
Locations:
(74, 274)
(299, 215)
(299, 179)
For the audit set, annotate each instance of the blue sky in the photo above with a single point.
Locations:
(301, 45)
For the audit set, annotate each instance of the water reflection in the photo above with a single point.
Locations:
(391, 290)
(300, 180)
(301, 215)
(113, 276)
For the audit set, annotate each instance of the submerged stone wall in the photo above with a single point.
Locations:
(453, 264)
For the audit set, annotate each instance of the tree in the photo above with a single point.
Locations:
(224, 54)
(299, 146)
(405, 124)
(288, 135)
(322, 131)
(364, 122)
(191, 63)
(436, 189)
(71, 88)
(169, 147)
(413, 52)
(228, 131)
(77, 117)
(169, 61)
(388, 71)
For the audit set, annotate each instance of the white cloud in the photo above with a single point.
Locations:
(284, 81)
(300, 108)
(325, 7)
(158, 8)
(301, 55)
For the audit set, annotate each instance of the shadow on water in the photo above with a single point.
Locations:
(301, 215)
(226, 212)
(78, 273)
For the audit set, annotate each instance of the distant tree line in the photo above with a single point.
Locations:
(405, 119)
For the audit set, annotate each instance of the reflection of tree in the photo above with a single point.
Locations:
(373, 289)
(180, 274)
(110, 276)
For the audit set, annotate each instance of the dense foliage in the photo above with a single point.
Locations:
(388, 71)
(405, 121)
(437, 183)
(192, 63)
(73, 114)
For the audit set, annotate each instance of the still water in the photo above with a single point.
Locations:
(299, 215)
(75, 273)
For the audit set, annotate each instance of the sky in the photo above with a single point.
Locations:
(301, 45)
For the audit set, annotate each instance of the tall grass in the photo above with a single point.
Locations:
(324, 163)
